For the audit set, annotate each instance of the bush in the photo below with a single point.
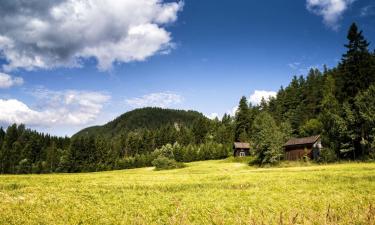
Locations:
(164, 163)
(327, 155)
(24, 166)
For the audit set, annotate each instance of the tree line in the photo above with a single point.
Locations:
(26, 151)
(338, 103)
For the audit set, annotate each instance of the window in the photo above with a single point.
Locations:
(242, 154)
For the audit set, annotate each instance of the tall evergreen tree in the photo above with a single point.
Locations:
(242, 121)
(356, 70)
(200, 129)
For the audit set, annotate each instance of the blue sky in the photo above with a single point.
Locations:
(63, 71)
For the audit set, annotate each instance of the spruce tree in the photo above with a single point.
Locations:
(242, 121)
(356, 71)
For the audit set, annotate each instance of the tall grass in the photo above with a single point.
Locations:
(210, 192)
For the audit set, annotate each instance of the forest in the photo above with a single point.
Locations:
(337, 103)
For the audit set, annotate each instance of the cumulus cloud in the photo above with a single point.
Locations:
(258, 95)
(70, 107)
(330, 10)
(233, 111)
(47, 34)
(161, 99)
(7, 81)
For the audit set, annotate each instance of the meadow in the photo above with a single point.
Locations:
(209, 192)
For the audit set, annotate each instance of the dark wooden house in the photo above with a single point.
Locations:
(297, 148)
(241, 149)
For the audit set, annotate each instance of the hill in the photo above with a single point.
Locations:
(145, 118)
(209, 192)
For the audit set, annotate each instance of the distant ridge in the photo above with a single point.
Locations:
(144, 118)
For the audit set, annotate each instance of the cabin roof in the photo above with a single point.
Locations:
(241, 145)
(302, 141)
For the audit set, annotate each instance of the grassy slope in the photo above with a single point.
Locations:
(211, 192)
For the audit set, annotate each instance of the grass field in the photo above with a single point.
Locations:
(211, 192)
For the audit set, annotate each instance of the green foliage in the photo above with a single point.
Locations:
(242, 121)
(200, 129)
(268, 139)
(311, 127)
(145, 118)
(25, 151)
(337, 103)
(365, 106)
(356, 71)
(165, 163)
(168, 150)
(328, 155)
(24, 166)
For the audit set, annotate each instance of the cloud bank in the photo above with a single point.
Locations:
(330, 10)
(161, 99)
(70, 107)
(7, 81)
(47, 34)
(258, 95)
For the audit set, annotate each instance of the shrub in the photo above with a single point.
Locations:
(164, 163)
(327, 155)
(24, 166)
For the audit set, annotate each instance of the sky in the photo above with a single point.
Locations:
(68, 64)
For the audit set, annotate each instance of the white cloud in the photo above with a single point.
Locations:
(330, 10)
(7, 81)
(68, 107)
(233, 111)
(257, 96)
(48, 34)
(162, 99)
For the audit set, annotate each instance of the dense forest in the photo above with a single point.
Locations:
(134, 139)
(337, 103)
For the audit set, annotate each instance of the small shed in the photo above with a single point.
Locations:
(241, 149)
(297, 148)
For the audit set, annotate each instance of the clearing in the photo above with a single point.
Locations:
(209, 192)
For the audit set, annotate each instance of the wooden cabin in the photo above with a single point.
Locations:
(241, 149)
(297, 148)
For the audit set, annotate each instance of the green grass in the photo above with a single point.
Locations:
(211, 192)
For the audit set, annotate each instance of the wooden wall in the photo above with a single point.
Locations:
(298, 153)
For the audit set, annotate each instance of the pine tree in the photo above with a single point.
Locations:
(6, 156)
(200, 129)
(242, 121)
(356, 70)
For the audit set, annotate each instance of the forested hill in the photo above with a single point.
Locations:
(145, 118)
